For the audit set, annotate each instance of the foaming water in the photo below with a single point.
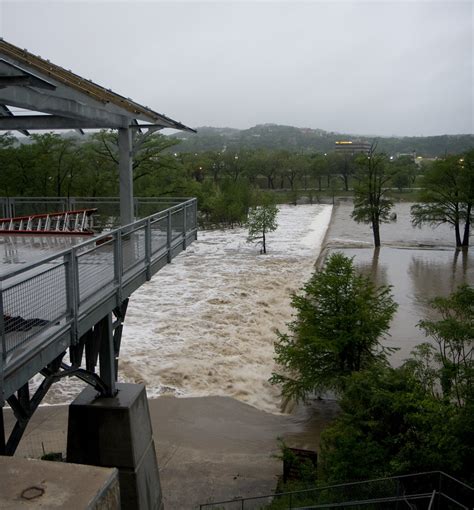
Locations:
(205, 324)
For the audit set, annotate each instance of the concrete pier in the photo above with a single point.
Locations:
(116, 432)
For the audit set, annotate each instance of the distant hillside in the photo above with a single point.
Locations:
(273, 136)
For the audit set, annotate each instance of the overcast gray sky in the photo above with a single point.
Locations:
(400, 67)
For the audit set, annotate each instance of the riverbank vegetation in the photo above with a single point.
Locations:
(227, 181)
(393, 421)
(341, 317)
(448, 196)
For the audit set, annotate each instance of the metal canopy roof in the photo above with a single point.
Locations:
(68, 100)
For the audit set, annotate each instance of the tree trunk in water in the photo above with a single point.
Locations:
(345, 178)
(264, 247)
(467, 227)
(376, 230)
(458, 235)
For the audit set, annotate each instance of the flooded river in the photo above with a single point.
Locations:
(420, 264)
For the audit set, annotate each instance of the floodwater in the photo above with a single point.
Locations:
(420, 264)
(205, 324)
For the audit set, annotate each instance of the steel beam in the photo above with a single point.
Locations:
(25, 97)
(47, 122)
(13, 75)
(126, 175)
(5, 112)
(21, 81)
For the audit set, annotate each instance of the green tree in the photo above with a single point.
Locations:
(261, 220)
(319, 168)
(371, 204)
(341, 317)
(389, 425)
(419, 417)
(150, 151)
(450, 366)
(7, 164)
(404, 171)
(448, 196)
(344, 166)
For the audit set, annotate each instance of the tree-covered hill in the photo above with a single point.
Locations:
(273, 136)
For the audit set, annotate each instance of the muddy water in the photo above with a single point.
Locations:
(205, 325)
(420, 264)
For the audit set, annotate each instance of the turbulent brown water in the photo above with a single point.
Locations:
(205, 324)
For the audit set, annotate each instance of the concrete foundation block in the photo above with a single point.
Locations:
(116, 432)
(28, 484)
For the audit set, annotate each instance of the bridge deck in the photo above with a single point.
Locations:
(53, 291)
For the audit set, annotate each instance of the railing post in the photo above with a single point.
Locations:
(148, 249)
(136, 207)
(4, 349)
(195, 207)
(184, 225)
(72, 292)
(118, 265)
(2, 324)
(168, 237)
(432, 500)
(11, 206)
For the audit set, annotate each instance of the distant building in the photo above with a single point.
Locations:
(411, 155)
(352, 147)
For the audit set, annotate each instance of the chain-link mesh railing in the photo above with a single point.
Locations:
(177, 224)
(134, 249)
(31, 305)
(63, 287)
(96, 269)
(159, 237)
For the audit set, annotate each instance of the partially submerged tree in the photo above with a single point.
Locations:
(418, 417)
(448, 196)
(371, 204)
(450, 366)
(341, 317)
(261, 220)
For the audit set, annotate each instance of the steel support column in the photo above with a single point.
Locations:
(2, 433)
(107, 354)
(126, 175)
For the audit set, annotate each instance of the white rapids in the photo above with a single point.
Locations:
(205, 324)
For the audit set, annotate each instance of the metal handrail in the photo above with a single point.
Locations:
(8, 204)
(97, 274)
(315, 490)
(134, 225)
